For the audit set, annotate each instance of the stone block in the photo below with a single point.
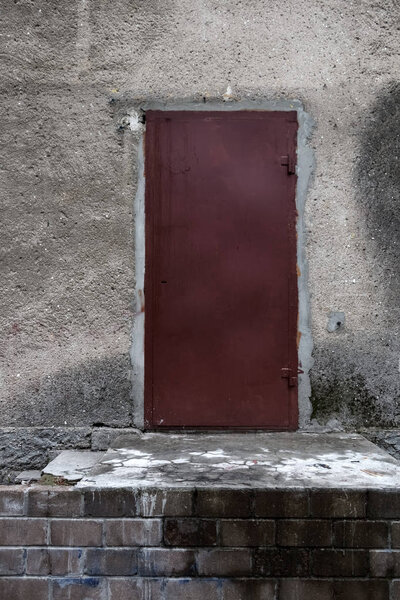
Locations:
(76, 532)
(165, 503)
(247, 589)
(281, 562)
(281, 504)
(305, 533)
(23, 532)
(190, 532)
(166, 562)
(54, 561)
(78, 588)
(12, 561)
(111, 503)
(12, 501)
(224, 563)
(111, 561)
(24, 588)
(133, 532)
(395, 531)
(329, 504)
(298, 589)
(361, 534)
(385, 563)
(135, 588)
(362, 589)
(384, 504)
(52, 502)
(224, 503)
(103, 437)
(247, 532)
(193, 589)
(340, 563)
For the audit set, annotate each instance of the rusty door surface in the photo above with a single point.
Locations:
(220, 283)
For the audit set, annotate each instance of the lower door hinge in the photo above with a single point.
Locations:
(289, 162)
(287, 373)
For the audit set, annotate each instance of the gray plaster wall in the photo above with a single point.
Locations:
(70, 73)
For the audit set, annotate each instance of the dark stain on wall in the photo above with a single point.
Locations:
(94, 392)
(377, 175)
(356, 380)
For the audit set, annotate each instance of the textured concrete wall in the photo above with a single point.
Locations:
(68, 186)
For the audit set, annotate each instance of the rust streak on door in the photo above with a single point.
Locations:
(221, 281)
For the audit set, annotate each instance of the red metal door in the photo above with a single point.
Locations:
(220, 283)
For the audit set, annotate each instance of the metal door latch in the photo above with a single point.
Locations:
(287, 373)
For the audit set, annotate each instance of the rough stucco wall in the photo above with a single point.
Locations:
(68, 184)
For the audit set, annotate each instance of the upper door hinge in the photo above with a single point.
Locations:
(289, 161)
(287, 373)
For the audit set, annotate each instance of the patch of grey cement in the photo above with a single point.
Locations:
(245, 460)
(26, 477)
(72, 465)
(336, 321)
(132, 117)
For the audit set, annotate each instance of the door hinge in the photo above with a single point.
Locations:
(289, 162)
(287, 373)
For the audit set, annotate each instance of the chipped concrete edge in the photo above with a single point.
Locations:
(133, 119)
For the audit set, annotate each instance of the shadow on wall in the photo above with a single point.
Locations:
(358, 382)
(95, 392)
(378, 180)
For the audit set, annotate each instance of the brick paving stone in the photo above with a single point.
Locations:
(166, 562)
(281, 504)
(133, 532)
(24, 588)
(11, 501)
(135, 588)
(338, 504)
(79, 588)
(281, 562)
(383, 504)
(363, 589)
(190, 532)
(304, 532)
(192, 589)
(12, 561)
(248, 589)
(54, 561)
(224, 563)
(23, 532)
(111, 561)
(111, 503)
(297, 589)
(54, 503)
(361, 534)
(80, 532)
(247, 532)
(385, 563)
(340, 563)
(224, 503)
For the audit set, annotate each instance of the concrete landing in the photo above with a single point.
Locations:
(245, 460)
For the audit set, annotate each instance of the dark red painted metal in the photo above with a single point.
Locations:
(221, 281)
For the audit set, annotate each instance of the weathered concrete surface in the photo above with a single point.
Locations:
(245, 460)
(68, 183)
(32, 447)
(72, 465)
(23, 448)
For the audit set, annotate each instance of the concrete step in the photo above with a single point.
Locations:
(245, 460)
